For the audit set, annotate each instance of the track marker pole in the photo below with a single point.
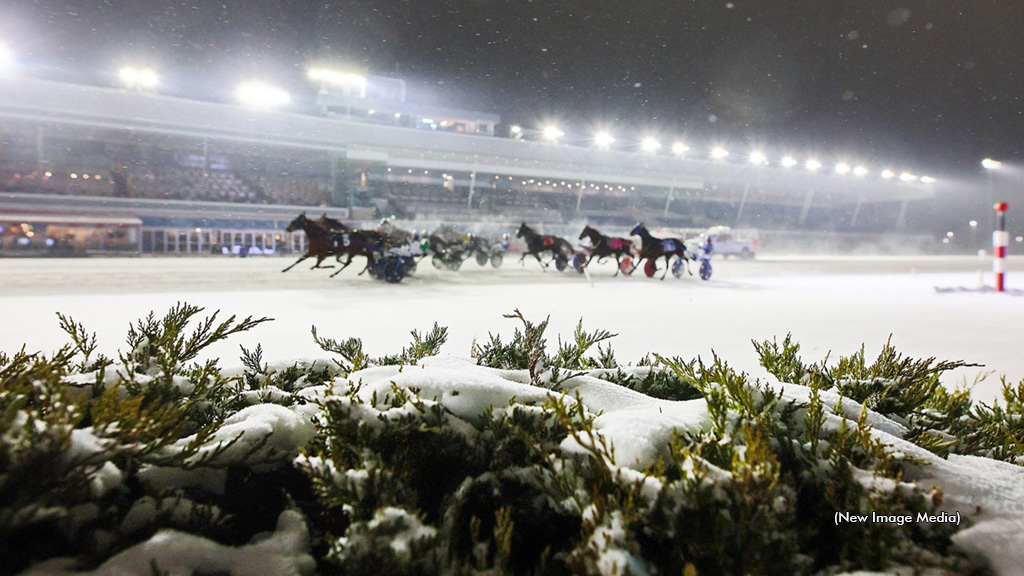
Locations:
(1000, 242)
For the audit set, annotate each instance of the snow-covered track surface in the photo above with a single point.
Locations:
(829, 304)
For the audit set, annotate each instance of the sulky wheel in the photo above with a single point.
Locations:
(561, 263)
(437, 261)
(705, 270)
(626, 266)
(377, 268)
(496, 259)
(650, 268)
(677, 267)
(393, 270)
(481, 258)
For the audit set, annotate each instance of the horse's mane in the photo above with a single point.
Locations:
(331, 223)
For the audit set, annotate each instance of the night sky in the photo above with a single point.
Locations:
(936, 85)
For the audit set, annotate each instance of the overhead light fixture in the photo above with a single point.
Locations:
(261, 95)
(650, 145)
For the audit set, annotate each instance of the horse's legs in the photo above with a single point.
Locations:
(367, 267)
(668, 257)
(301, 258)
(543, 265)
(618, 264)
(319, 260)
(343, 266)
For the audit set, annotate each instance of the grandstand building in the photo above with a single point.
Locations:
(98, 169)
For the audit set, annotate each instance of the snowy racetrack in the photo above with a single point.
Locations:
(828, 304)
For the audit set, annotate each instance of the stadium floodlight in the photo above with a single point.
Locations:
(719, 153)
(138, 78)
(928, 180)
(860, 171)
(842, 168)
(679, 149)
(603, 140)
(758, 158)
(650, 144)
(812, 165)
(907, 177)
(552, 133)
(261, 95)
(887, 174)
(788, 162)
(990, 164)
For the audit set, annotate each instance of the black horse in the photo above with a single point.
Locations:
(652, 248)
(602, 247)
(536, 244)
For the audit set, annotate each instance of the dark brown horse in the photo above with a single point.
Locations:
(537, 244)
(652, 248)
(322, 243)
(602, 247)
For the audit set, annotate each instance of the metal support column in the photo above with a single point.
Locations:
(856, 211)
(579, 195)
(807, 206)
(743, 202)
(901, 220)
(40, 145)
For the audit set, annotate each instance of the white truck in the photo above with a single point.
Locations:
(726, 241)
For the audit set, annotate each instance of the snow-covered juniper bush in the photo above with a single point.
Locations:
(500, 464)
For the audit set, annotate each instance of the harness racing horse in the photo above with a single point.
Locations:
(602, 247)
(652, 248)
(536, 244)
(322, 243)
(317, 241)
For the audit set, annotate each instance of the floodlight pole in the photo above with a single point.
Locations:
(1000, 241)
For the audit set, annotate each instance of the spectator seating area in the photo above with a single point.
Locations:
(67, 181)
(432, 201)
(165, 182)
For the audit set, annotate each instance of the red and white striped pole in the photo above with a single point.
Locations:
(1000, 241)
